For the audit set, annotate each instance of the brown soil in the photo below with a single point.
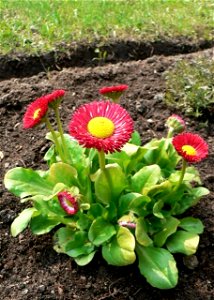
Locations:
(93, 54)
(29, 267)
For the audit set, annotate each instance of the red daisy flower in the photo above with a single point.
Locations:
(176, 123)
(102, 125)
(35, 112)
(190, 146)
(113, 92)
(55, 95)
(112, 89)
(68, 203)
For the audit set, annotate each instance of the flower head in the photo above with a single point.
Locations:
(68, 203)
(176, 123)
(35, 112)
(113, 92)
(190, 146)
(102, 125)
(57, 94)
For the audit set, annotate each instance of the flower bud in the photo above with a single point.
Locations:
(127, 224)
(175, 124)
(68, 203)
(113, 92)
(85, 206)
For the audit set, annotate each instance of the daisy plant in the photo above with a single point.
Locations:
(104, 191)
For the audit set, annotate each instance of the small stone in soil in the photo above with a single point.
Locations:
(191, 262)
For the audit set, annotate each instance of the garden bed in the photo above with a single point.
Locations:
(29, 267)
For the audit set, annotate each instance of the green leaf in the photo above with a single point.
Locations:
(50, 155)
(162, 153)
(130, 149)
(97, 210)
(138, 205)
(83, 222)
(62, 173)
(57, 188)
(121, 158)
(137, 153)
(21, 222)
(124, 202)
(74, 243)
(111, 212)
(158, 266)
(157, 209)
(26, 182)
(141, 233)
(54, 206)
(78, 244)
(109, 183)
(191, 174)
(43, 224)
(145, 177)
(192, 225)
(133, 202)
(100, 231)
(77, 155)
(183, 242)
(61, 238)
(41, 205)
(83, 260)
(120, 251)
(199, 192)
(190, 198)
(169, 227)
(49, 136)
(159, 190)
(135, 138)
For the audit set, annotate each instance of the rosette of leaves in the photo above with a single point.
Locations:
(131, 210)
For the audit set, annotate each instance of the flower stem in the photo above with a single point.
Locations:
(50, 128)
(183, 169)
(101, 156)
(59, 125)
(170, 133)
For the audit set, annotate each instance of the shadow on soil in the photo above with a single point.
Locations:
(97, 53)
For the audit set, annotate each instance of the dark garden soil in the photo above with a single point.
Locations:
(29, 267)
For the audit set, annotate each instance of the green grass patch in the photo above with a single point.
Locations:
(39, 25)
(190, 87)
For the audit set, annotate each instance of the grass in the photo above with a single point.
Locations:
(190, 87)
(33, 26)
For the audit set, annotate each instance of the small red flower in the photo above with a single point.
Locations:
(176, 123)
(68, 203)
(57, 94)
(35, 112)
(113, 92)
(102, 125)
(112, 89)
(190, 146)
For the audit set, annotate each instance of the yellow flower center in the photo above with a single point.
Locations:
(36, 113)
(101, 127)
(189, 150)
